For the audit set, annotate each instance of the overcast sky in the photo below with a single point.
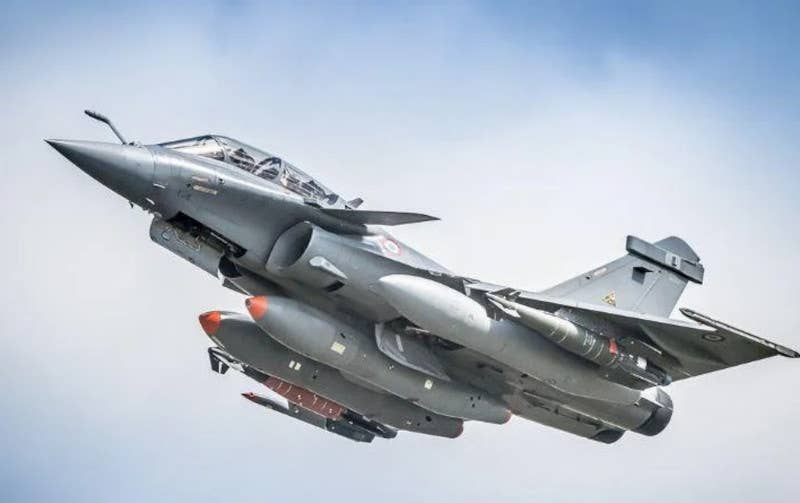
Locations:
(542, 135)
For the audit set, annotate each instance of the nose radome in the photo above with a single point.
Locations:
(125, 169)
(90, 155)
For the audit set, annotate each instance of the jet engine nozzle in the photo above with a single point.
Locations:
(125, 169)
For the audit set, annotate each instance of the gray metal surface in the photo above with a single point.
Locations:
(326, 339)
(416, 345)
(338, 427)
(238, 336)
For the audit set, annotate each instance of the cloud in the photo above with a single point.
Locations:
(540, 139)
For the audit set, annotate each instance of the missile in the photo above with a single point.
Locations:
(582, 341)
(328, 340)
(237, 336)
(339, 427)
(456, 317)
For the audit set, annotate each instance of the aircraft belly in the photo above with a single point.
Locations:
(554, 415)
(500, 379)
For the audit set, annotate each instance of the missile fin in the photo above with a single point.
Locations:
(217, 365)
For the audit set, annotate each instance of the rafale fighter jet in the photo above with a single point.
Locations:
(364, 336)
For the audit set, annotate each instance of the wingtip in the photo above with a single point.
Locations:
(787, 352)
(718, 325)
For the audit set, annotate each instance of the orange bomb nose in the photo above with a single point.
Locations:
(257, 306)
(210, 322)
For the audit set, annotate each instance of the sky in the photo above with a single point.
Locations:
(542, 133)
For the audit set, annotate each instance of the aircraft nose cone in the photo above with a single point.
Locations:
(89, 156)
(125, 169)
(61, 145)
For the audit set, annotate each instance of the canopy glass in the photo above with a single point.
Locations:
(257, 162)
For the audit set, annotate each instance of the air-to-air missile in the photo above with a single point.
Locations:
(326, 339)
(240, 339)
(363, 328)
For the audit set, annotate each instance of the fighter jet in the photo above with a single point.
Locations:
(364, 336)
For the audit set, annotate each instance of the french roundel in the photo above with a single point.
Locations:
(389, 245)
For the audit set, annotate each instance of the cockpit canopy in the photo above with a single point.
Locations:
(259, 163)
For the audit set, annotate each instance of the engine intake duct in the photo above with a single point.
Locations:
(345, 265)
(315, 257)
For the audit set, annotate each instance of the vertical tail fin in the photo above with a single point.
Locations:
(649, 279)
